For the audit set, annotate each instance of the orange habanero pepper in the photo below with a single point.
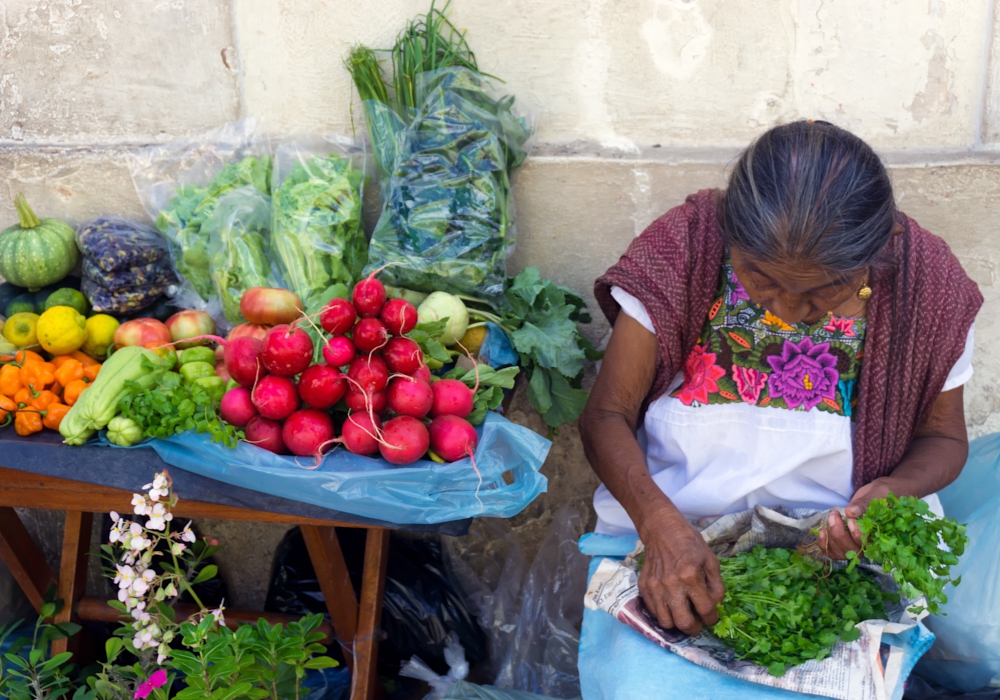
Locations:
(24, 356)
(69, 371)
(90, 372)
(27, 422)
(37, 375)
(83, 358)
(54, 415)
(23, 396)
(7, 406)
(59, 360)
(10, 380)
(73, 390)
(42, 401)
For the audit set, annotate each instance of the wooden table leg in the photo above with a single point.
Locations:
(22, 556)
(334, 582)
(365, 683)
(73, 576)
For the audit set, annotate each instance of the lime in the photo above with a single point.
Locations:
(72, 298)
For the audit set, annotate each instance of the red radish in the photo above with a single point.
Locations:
(321, 386)
(190, 324)
(221, 371)
(237, 407)
(451, 398)
(369, 334)
(359, 434)
(275, 397)
(242, 357)
(287, 350)
(399, 316)
(368, 296)
(402, 356)
(423, 373)
(241, 330)
(378, 401)
(410, 397)
(404, 440)
(305, 431)
(338, 351)
(453, 438)
(269, 306)
(338, 316)
(371, 374)
(266, 434)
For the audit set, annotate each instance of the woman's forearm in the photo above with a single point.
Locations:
(929, 465)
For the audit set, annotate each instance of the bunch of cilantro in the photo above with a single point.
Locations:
(172, 407)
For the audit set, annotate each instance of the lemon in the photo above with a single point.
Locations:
(100, 335)
(473, 340)
(66, 296)
(61, 330)
(21, 330)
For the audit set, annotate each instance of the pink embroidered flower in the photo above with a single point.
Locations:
(841, 323)
(157, 680)
(700, 373)
(739, 293)
(804, 374)
(749, 382)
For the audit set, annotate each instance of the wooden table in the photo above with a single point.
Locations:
(40, 472)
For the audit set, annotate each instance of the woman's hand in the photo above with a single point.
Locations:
(680, 581)
(841, 536)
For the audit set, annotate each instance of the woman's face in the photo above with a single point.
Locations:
(798, 293)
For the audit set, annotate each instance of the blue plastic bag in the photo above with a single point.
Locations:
(496, 350)
(966, 655)
(418, 494)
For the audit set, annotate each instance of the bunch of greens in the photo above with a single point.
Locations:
(239, 234)
(445, 149)
(542, 326)
(902, 535)
(173, 406)
(191, 206)
(783, 608)
(488, 384)
(316, 232)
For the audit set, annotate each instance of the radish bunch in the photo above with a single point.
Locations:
(370, 370)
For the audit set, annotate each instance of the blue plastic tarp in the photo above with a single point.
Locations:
(424, 492)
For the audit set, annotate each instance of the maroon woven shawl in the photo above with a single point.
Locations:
(918, 319)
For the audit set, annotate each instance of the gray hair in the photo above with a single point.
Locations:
(809, 192)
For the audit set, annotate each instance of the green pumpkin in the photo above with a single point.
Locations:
(35, 253)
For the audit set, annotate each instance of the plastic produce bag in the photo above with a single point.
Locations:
(447, 220)
(463, 690)
(317, 232)
(966, 655)
(458, 669)
(179, 184)
(239, 247)
(421, 493)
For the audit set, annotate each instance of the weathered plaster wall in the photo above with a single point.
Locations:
(639, 102)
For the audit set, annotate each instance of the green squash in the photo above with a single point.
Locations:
(35, 253)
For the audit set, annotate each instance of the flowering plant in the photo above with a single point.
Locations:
(154, 652)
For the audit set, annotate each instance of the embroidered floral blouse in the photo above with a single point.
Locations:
(761, 413)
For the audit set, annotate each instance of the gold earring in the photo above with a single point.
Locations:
(865, 293)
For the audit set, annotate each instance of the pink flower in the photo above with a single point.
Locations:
(749, 382)
(739, 293)
(700, 373)
(841, 323)
(804, 374)
(157, 680)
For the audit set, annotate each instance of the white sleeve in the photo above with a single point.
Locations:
(633, 308)
(962, 371)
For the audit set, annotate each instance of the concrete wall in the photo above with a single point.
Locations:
(639, 103)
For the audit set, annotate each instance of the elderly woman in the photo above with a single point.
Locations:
(793, 340)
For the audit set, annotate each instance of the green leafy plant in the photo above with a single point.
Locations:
(27, 671)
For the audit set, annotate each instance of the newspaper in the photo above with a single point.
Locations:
(865, 669)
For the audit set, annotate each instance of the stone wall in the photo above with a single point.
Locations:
(639, 102)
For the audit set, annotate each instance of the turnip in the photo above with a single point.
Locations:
(410, 397)
(321, 386)
(423, 373)
(451, 398)
(370, 373)
(361, 402)
(268, 306)
(339, 351)
(242, 358)
(404, 440)
(399, 316)
(368, 296)
(266, 434)
(286, 351)
(453, 438)
(402, 356)
(441, 305)
(360, 433)
(237, 407)
(338, 316)
(369, 335)
(306, 431)
(275, 397)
